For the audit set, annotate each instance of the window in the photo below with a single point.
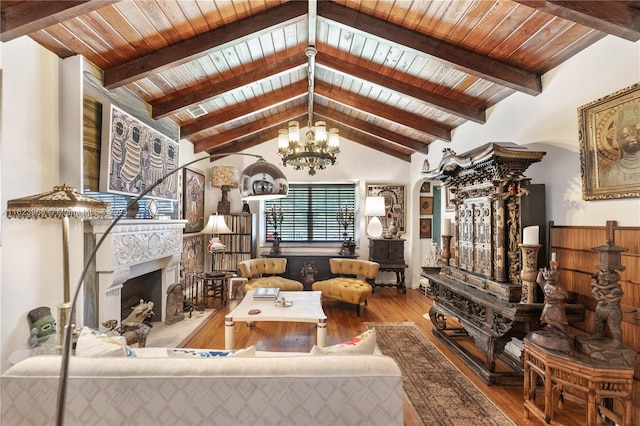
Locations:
(310, 213)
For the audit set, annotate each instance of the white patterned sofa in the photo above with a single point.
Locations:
(266, 388)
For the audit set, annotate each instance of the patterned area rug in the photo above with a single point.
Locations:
(439, 392)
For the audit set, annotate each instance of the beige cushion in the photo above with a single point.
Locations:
(350, 290)
(283, 284)
(362, 268)
(353, 288)
(255, 269)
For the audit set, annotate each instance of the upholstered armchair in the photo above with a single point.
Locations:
(264, 272)
(353, 283)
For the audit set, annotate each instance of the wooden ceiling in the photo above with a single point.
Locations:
(392, 75)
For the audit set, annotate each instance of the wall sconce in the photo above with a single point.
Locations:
(225, 178)
(374, 207)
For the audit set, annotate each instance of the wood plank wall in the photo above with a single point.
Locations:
(573, 247)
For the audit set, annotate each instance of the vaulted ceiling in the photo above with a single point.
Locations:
(392, 75)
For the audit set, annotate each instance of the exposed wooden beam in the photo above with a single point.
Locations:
(368, 128)
(163, 108)
(465, 60)
(619, 18)
(192, 48)
(364, 104)
(374, 143)
(244, 109)
(248, 129)
(438, 101)
(30, 16)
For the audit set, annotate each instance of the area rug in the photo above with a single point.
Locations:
(174, 335)
(439, 392)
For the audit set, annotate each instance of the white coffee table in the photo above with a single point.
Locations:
(307, 307)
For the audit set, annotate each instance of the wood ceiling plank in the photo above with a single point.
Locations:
(377, 131)
(377, 144)
(183, 100)
(251, 106)
(619, 18)
(346, 67)
(194, 47)
(248, 129)
(466, 60)
(30, 16)
(365, 104)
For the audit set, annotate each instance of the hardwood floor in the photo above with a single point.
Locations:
(385, 305)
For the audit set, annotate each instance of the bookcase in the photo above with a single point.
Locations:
(241, 243)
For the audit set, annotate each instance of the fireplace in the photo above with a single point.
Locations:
(147, 287)
(133, 249)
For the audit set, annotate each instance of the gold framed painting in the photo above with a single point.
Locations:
(425, 227)
(426, 205)
(395, 205)
(609, 136)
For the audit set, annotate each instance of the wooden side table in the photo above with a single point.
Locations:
(216, 287)
(565, 376)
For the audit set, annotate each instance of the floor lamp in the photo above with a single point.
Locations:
(259, 181)
(216, 226)
(62, 203)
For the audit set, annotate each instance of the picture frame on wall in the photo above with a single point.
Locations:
(193, 200)
(135, 156)
(193, 252)
(426, 205)
(449, 198)
(394, 203)
(426, 227)
(609, 139)
(425, 188)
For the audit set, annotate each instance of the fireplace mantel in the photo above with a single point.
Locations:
(133, 248)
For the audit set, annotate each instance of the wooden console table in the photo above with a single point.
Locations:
(564, 376)
(308, 267)
(389, 253)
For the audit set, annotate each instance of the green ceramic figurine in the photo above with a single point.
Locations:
(42, 320)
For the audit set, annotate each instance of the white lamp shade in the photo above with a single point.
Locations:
(374, 206)
(374, 229)
(216, 225)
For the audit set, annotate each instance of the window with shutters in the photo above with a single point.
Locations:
(310, 213)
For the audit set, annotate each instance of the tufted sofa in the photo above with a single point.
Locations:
(263, 272)
(150, 389)
(353, 285)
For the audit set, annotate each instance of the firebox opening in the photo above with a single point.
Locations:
(147, 287)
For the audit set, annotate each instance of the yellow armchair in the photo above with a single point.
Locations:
(264, 272)
(353, 285)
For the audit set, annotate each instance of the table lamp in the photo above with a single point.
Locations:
(225, 178)
(216, 226)
(374, 207)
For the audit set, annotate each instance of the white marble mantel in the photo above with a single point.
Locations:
(134, 247)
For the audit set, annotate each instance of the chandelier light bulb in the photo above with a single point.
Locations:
(321, 133)
(294, 132)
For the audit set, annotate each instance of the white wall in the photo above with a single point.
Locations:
(31, 269)
(549, 122)
(32, 250)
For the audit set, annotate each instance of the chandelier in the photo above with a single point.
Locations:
(320, 146)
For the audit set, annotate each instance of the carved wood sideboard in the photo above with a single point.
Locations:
(481, 285)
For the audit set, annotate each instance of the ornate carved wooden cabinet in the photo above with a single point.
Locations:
(481, 287)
